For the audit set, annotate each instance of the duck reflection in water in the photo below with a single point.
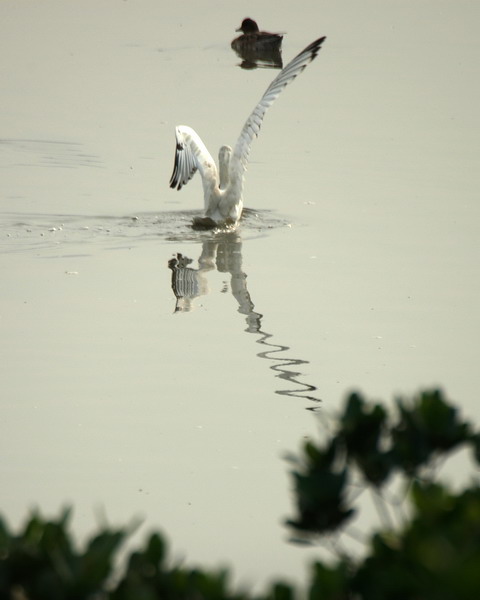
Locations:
(258, 48)
(224, 253)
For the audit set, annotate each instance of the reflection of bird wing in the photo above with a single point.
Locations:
(254, 122)
(185, 283)
(191, 155)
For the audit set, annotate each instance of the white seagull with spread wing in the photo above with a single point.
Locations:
(223, 188)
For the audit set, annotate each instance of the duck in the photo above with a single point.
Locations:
(223, 186)
(254, 40)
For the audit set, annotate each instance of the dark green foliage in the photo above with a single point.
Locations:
(43, 563)
(148, 577)
(435, 555)
(320, 488)
(281, 591)
(429, 426)
(363, 433)
(367, 441)
(330, 582)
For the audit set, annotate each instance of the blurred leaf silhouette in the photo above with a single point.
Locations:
(433, 555)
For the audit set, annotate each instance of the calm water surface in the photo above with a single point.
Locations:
(151, 370)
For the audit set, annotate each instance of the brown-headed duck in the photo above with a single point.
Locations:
(254, 39)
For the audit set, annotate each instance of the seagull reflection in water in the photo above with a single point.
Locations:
(224, 253)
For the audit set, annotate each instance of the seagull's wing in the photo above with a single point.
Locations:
(254, 122)
(191, 155)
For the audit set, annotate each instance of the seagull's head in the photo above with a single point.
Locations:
(224, 155)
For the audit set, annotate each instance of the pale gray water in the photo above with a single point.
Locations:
(357, 267)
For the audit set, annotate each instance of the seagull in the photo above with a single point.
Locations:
(223, 187)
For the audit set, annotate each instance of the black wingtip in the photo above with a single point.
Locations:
(316, 46)
(175, 184)
(174, 179)
(313, 49)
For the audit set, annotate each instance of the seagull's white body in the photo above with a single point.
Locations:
(223, 187)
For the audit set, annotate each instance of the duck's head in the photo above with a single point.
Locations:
(248, 26)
